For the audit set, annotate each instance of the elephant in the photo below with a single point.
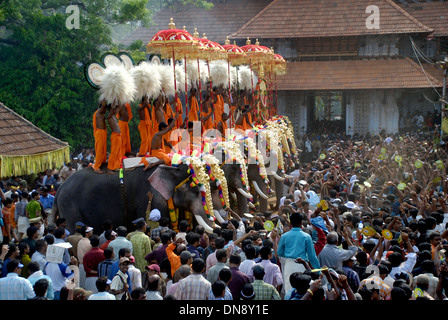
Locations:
(91, 198)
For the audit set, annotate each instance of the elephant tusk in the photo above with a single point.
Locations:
(287, 176)
(201, 221)
(257, 188)
(244, 193)
(251, 205)
(276, 176)
(234, 196)
(218, 216)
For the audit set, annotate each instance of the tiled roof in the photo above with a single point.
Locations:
(433, 14)
(355, 74)
(326, 18)
(217, 23)
(19, 137)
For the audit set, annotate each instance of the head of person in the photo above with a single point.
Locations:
(218, 288)
(198, 265)
(221, 255)
(40, 287)
(266, 253)
(296, 220)
(153, 282)
(247, 292)
(225, 274)
(102, 284)
(138, 294)
(123, 264)
(258, 272)
(300, 282)
(250, 251)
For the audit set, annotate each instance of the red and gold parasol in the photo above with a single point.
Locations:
(171, 42)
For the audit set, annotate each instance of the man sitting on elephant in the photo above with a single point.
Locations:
(157, 149)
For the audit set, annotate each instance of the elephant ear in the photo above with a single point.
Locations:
(163, 181)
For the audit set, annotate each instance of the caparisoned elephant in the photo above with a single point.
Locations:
(91, 198)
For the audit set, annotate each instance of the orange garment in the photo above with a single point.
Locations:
(180, 112)
(219, 109)
(100, 136)
(144, 144)
(115, 155)
(173, 258)
(128, 107)
(160, 154)
(168, 114)
(125, 137)
(208, 124)
(194, 110)
(224, 128)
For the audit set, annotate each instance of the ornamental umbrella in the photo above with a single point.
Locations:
(258, 56)
(171, 42)
(237, 56)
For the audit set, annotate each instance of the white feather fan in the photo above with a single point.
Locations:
(193, 73)
(167, 79)
(244, 78)
(219, 73)
(117, 85)
(148, 80)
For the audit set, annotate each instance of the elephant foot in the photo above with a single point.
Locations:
(111, 172)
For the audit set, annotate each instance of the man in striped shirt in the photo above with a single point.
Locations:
(14, 287)
(195, 286)
(263, 290)
(141, 245)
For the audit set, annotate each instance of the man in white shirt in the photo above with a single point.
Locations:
(248, 263)
(103, 286)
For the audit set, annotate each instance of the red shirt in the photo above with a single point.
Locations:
(91, 260)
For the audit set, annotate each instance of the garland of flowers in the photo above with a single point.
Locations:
(233, 153)
(256, 154)
(201, 179)
(217, 174)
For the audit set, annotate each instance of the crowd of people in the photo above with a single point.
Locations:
(362, 218)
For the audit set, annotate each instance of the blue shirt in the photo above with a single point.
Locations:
(47, 202)
(13, 287)
(297, 244)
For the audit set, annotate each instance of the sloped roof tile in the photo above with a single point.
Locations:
(326, 18)
(355, 74)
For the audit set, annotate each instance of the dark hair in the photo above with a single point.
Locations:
(137, 292)
(31, 231)
(225, 274)
(235, 259)
(227, 234)
(220, 243)
(94, 240)
(221, 254)
(153, 283)
(300, 282)
(12, 265)
(249, 251)
(265, 251)
(198, 265)
(101, 284)
(162, 125)
(33, 266)
(192, 237)
(165, 237)
(183, 225)
(59, 233)
(218, 287)
(108, 252)
(41, 287)
(121, 231)
(296, 219)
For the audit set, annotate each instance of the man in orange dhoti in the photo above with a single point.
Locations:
(144, 127)
(157, 149)
(168, 114)
(206, 114)
(125, 116)
(100, 135)
(222, 125)
(116, 144)
(194, 106)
